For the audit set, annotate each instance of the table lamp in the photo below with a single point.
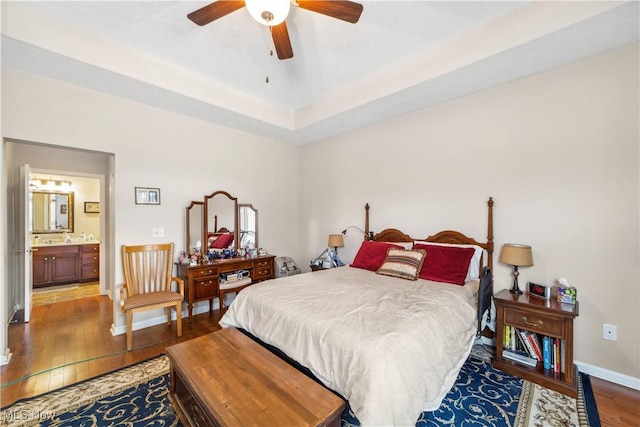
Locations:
(518, 256)
(335, 241)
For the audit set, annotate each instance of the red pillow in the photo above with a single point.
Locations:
(223, 241)
(371, 255)
(447, 264)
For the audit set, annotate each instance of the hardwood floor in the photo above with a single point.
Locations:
(67, 342)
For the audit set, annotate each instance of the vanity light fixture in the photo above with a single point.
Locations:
(268, 12)
(50, 184)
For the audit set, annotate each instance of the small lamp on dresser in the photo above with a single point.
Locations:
(518, 256)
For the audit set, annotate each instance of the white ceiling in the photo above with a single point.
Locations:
(400, 56)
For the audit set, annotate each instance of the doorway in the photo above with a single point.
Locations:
(62, 161)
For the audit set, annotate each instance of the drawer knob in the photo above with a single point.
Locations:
(535, 324)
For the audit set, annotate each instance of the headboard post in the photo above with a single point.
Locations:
(366, 221)
(490, 234)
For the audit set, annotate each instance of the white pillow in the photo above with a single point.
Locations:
(474, 265)
(406, 245)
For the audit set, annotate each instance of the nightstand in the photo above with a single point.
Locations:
(544, 317)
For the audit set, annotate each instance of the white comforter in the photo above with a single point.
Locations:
(391, 347)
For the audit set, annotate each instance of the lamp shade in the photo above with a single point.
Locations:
(335, 241)
(515, 254)
(268, 12)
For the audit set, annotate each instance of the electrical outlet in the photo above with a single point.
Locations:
(610, 332)
(158, 232)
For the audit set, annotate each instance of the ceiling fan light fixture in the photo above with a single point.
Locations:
(268, 12)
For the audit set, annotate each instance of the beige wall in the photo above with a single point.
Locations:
(184, 157)
(558, 152)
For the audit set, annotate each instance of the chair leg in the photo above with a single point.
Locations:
(129, 316)
(168, 316)
(179, 318)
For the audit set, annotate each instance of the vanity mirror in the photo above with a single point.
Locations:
(195, 225)
(51, 212)
(248, 220)
(221, 220)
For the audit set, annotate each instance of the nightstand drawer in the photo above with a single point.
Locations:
(205, 288)
(533, 322)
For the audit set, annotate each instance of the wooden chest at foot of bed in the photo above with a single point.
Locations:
(226, 379)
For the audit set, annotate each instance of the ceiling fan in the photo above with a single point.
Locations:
(273, 14)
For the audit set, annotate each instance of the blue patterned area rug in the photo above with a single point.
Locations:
(138, 396)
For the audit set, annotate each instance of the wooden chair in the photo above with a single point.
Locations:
(148, 283)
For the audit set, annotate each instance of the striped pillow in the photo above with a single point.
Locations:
(401, 263)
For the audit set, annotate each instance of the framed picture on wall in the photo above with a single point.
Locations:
(63, 209)
(147, 196)
(92, 207)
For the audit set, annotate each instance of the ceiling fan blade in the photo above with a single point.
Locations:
(339, 9)
(281, 41)
(214, 11)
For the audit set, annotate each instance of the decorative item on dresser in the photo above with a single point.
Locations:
(222, 227)
(544, 318)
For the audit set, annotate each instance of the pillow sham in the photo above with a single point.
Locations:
(474, 265)
(448, 264)
(402, 263)
(371, 255)
(223, 241)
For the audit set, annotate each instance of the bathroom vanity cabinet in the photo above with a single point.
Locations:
(65, 263)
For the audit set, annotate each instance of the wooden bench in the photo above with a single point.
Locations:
(226, 379)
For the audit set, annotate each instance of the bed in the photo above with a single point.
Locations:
(392, 347)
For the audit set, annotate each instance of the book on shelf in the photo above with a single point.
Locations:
(546, 352)
(557, 353)
(535, 344)
(528, 344)
(520, 357)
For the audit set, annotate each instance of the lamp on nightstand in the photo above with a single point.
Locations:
(517, 256)
(336, 241)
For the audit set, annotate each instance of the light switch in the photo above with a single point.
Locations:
(158, 232)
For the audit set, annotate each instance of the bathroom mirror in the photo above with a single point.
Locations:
(221, 220)
(248, 222)
(195, 225)
(51, 212)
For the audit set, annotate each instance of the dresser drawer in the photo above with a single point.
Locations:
(90, 258)
(205, 288)
(206, 272)
(264, 263)
(531, 321)
(237, 265)
(89, 271)
(262, 273)
(90, 248)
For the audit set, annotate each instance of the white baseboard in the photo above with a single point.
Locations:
(609, 375)
(6, 357)
(198, 308)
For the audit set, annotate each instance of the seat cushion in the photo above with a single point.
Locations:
(150, 299)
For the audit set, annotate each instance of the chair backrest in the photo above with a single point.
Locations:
(147, 268)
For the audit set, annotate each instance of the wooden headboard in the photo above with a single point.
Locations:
(446, 236)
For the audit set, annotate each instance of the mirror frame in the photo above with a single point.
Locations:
(206, 217)
(250, 206)
(188, 221)
(70, 210)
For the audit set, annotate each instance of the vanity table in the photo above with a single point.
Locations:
(219, 222)
(201, 281)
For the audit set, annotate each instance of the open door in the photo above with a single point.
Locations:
(25, 246)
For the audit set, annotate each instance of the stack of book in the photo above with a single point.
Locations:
(529, 348)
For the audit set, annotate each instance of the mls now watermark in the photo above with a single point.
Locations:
(13, 415)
